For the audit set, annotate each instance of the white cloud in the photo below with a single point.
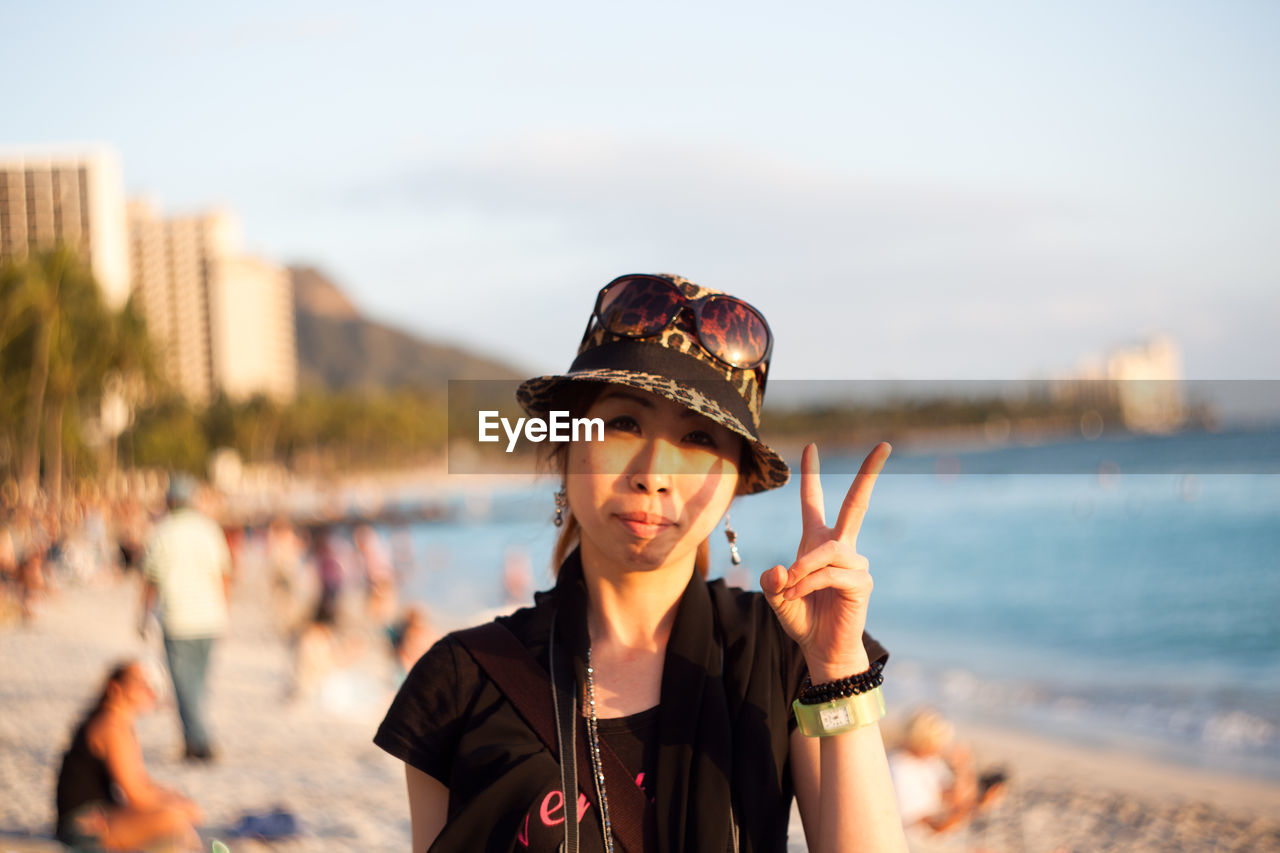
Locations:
(859, 277)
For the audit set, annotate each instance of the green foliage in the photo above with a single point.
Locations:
(316, 433)
(838, 422)
(170, 434)
(383, 429)
(59, 343)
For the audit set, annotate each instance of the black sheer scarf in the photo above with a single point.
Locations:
(695, 749)
(723, 730)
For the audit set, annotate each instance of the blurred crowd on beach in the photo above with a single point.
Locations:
(332, 587)
(85, 539)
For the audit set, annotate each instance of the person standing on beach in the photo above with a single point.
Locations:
(379, 576)
(187, 576)
(332, 575)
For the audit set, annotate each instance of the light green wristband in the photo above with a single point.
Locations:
(840, 715)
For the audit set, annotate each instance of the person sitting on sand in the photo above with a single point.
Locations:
(934, 776)
(105, 798)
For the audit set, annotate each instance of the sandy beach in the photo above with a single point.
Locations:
(317, 760)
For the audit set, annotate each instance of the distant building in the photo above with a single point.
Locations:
(1144, 380)
(223, 321)
(1149, 379)
(252, 327)
(76, 198)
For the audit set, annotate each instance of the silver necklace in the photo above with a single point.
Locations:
(597, 766)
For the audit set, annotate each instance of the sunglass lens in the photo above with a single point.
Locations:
(638, 307)
(734, 332)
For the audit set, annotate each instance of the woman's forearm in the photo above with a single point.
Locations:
(858, 812)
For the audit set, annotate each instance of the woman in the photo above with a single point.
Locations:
(105, 798)
(674, 694)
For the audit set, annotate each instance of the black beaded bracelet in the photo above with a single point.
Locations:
(816, 694)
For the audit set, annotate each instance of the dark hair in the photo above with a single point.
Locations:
(577, 398)
(115, 676)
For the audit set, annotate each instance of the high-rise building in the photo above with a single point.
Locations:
(76, 198)
(170, 258)
(223, 321)
(251, 325)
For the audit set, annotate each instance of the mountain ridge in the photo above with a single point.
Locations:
(340, 349)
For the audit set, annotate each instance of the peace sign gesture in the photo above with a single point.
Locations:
(822, 599)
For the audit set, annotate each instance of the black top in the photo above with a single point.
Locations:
(84, 778)
(635, 740)
(718, 739)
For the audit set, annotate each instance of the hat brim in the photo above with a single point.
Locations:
(539, 396)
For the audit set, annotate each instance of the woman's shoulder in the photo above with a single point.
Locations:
(451, 658)
(104, 731)
(428, 711)
(447, 693)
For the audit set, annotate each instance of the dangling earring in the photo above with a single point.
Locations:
(562, 503)
(732, 536)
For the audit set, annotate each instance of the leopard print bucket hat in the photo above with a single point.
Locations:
(673, 364)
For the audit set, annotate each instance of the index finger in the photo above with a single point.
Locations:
(854, 508)
(813, 513)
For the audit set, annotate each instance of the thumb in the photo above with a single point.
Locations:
(772, 583)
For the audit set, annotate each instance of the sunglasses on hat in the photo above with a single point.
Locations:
(728, 329)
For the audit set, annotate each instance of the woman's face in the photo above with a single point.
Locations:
(651, 491)
(136, 689)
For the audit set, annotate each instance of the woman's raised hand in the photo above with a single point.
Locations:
(822, 599)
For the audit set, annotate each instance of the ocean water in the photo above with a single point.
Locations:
(1139, 610)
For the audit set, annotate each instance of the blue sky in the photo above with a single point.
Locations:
(913, 190)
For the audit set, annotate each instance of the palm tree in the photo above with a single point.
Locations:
(80, 354)
(134, 374)
(41, 287)
(60, 342)
(15, 315)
